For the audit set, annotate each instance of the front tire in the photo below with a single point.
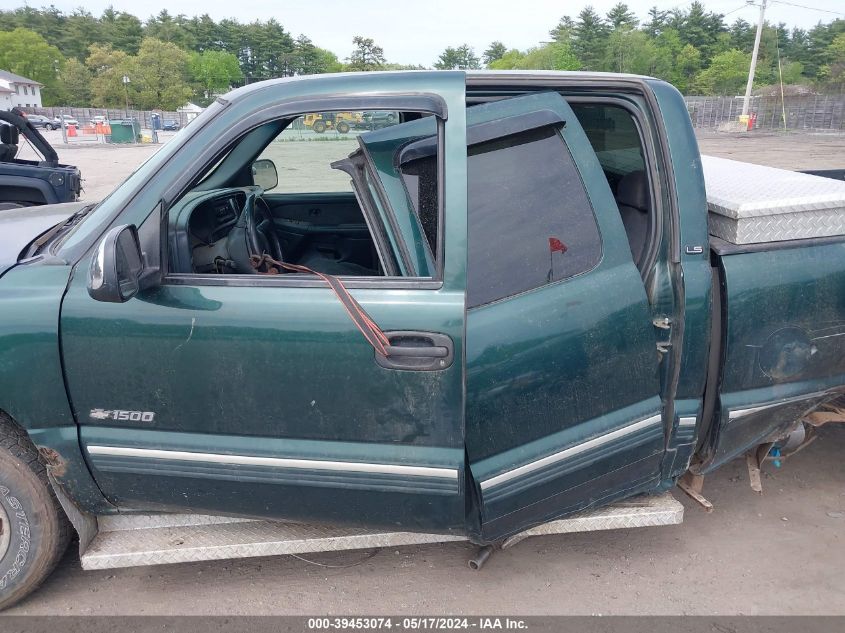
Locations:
(35, 531)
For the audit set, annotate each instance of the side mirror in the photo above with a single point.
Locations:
(264, 174)
(116, 269)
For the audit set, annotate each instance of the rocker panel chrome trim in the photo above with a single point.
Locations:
(570, 452)
(276, 462)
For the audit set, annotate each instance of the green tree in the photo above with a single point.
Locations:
(726, 74)
(328, 61)
(630, 51)
(166, 28)
(75, 84)
(26, 53)
(833, 73)
(552, 56)
(495, 51)
(366, 55)
(120, 30)
(687, 66)
(107, 68)
(462, 57)
(742, 35)
(621, 16)
(698, 27)
(509, 61)
(657, 22)
(213, 72)
(563, 31)
(160, 76)
(589, 39)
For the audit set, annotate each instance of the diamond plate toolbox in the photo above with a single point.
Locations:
(749, 203)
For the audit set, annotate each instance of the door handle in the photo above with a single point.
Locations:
(417, 351)
(397, 351)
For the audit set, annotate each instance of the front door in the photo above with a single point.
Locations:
(563, 392)
(256, 394)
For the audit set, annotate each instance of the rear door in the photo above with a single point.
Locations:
(563, 399)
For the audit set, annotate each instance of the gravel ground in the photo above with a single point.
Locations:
(779, 553)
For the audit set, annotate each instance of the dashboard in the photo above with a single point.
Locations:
(199, 227)
(211, 220)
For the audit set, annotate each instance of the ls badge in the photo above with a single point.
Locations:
(124, 416)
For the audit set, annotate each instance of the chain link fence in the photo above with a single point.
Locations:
(793, 113)
(86, 115)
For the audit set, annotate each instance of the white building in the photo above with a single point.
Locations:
(17, 91)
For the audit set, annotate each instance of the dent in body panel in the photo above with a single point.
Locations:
(784, 344)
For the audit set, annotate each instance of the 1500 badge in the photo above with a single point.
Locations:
(119, 414)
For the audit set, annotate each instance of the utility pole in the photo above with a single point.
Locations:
(747, 101)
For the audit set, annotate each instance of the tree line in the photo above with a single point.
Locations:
(83, 59)
(694, 49)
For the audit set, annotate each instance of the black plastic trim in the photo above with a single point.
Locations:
(725, 248)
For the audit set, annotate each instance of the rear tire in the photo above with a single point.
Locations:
(35, 530)
(49, 126)
(343, 127)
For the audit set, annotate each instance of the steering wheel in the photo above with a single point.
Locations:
(253, 235)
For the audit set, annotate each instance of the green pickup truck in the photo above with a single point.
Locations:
(502, 313)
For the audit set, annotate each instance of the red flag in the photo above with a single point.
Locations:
(556, 245)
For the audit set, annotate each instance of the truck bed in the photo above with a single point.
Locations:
(781, 339)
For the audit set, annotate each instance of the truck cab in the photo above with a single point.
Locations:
(499, 310)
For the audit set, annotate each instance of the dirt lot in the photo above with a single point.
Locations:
(780, 553)
(788, 151)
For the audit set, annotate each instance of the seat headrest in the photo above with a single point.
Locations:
(8, 134)
(633, 191)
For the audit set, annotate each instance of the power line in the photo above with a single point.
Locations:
(802, 6)
(745, 6)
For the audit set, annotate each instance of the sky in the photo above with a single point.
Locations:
(416, 32)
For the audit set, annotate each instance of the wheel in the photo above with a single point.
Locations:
(34, 531)
(319, 127)
(343, 127)
(48, 126)
(391, 117)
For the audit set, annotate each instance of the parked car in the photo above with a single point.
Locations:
(170, 126)
(515, 312)
(376, 120)
(99, 119)
(26, 183)
(40, 121)
(68, 119)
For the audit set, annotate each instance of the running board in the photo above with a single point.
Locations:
(131, 540)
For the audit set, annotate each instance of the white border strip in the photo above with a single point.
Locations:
(733, 414)
(570, 452)
(276, 462)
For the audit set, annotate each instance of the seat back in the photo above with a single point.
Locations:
(9, 137)
(634, 201)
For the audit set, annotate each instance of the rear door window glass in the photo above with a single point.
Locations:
(530, 221)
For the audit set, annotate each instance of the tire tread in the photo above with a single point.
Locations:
(15, 441)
